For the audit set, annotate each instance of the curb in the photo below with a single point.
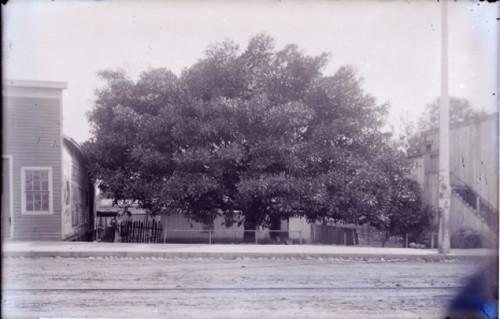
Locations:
(245, 255)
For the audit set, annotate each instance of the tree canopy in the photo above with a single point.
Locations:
(260, 130)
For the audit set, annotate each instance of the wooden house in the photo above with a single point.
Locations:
(46, 191)
(473, 174)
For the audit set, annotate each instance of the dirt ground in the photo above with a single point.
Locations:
(100, 287)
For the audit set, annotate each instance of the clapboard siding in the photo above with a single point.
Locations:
(31, 134)
(473, 156)
(473, 159)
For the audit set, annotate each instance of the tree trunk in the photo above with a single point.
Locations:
(250, 227)
(385, 240)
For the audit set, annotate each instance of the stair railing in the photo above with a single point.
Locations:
(479, 202)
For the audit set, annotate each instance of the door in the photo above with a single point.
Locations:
(6, 196)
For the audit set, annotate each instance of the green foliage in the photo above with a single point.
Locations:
(260, 131)
(406, 215)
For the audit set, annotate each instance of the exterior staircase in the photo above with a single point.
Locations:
(478, 205)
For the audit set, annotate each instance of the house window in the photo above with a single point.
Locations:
(36, 190)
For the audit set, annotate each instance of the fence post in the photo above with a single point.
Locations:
(300, 236)
(210, 236)
(345, 237)
(432, 240)
(406, 240)
(164, 236)
(256, 239)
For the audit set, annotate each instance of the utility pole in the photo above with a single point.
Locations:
(444, 141)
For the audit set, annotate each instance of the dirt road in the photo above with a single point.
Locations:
(216, 288)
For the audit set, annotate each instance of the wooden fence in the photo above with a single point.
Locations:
(140, 232)
(337, 235)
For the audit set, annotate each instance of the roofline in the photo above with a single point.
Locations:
(36, 84)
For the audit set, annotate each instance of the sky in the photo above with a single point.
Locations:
(395, 46)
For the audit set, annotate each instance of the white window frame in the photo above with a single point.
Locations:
(23, 190)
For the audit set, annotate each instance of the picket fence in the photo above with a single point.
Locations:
(140, 232)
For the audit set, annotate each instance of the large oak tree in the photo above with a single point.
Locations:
(261, 131)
